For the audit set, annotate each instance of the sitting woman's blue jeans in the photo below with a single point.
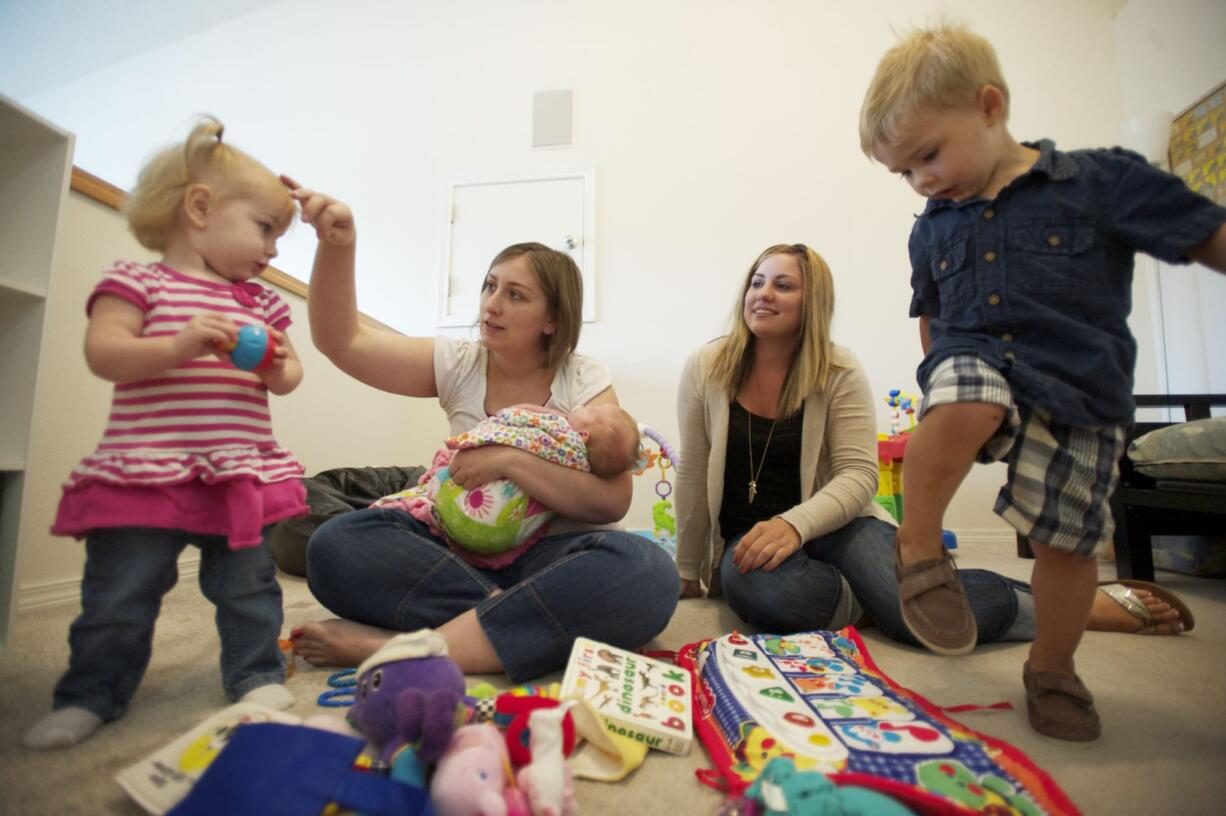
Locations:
(807, 591)
(383, 568)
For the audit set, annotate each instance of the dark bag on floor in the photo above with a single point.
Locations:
(331, 493)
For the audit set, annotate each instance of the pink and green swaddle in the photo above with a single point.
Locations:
(491, 525)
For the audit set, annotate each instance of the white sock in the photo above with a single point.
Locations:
(274, 695)
(62, 728)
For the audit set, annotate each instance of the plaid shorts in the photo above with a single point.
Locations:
(1061, 477)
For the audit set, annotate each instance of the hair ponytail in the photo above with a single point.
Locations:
(203, 146)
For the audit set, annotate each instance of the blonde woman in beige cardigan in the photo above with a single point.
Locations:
(778, 472)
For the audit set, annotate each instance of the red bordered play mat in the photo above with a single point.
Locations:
(819, 698)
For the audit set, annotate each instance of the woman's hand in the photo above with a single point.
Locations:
(473, 467)
(766, 545)
(206, 333)
(332, 219)
(690, 589)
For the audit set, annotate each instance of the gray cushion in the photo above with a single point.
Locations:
(329, 494)
(1189, 450)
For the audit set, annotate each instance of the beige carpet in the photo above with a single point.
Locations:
(1163, 702)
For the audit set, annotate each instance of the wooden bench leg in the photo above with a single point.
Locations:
(1134, 554)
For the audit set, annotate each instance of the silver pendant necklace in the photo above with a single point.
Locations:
(753, 474)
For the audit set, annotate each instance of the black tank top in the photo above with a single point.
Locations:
(778, 479)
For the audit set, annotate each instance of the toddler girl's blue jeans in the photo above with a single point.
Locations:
(805, 592)
(127, 572)
(383, 568)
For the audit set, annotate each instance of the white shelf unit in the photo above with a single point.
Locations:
(35, 171)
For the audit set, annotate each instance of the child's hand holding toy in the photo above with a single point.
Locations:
(251, 348)
(206, 333)
(256, 348)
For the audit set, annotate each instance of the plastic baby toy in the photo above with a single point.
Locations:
(254, 349)
(900, 404)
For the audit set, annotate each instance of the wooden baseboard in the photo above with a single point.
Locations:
(993, 539)
(54, 593)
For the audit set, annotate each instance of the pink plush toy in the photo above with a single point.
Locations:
(473, 778)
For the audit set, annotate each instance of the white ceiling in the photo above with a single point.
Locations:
(45, 43)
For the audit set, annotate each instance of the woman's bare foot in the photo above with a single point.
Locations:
(337, 642)
(1107, 615)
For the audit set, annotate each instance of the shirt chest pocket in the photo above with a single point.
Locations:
(1055, 257)
(953, 276)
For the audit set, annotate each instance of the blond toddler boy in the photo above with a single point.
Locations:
(1021, 275)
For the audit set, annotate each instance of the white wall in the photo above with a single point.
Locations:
(72, 404)
(717, 127)
(1170, 55)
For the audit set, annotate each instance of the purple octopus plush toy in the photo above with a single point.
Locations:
(409, 693)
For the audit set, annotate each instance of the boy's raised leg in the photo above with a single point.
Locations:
(940, 453)
(1057, 702)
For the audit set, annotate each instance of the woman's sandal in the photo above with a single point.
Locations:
(1121, 591)
(1060, 706)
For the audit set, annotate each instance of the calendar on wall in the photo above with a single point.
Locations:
(1198, 146)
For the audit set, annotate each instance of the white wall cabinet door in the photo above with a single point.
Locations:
(483, 218)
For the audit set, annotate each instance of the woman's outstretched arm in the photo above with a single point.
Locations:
(378, 357)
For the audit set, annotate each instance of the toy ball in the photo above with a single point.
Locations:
(254, 350)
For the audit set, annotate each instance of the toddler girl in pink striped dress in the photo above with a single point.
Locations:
(188, 455)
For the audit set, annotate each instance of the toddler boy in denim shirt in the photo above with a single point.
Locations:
(1022, 275)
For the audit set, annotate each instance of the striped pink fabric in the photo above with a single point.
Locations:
(202, 420)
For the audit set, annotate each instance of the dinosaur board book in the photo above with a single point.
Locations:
(639, 697)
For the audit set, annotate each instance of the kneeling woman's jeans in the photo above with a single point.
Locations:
(383, 568)
(810, 589)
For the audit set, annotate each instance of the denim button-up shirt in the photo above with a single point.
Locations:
(1038, 281)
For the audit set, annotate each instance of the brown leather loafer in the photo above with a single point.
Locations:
(934, 604)
(1060, 706)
